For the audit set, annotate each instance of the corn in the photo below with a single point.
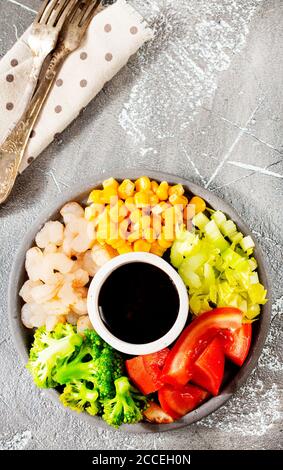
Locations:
(149, 234)
(154, 186)
(123, 229)
(168, 230)
(162, 191)
(145, 221)
(93, 211)
(124, 248)
(141, 199)
(96, 196)
(199, 204)
(135, 216)
(175, 199)
(189, 211)
(110, 183)
(153, 200)
(130, 203)
(176, 189)
(108, 194)
(156, 249)
(114, 211)
(126, 189)
(113, 232)
(133, 236)
(141, 245)
(143, 184)
(164, 243)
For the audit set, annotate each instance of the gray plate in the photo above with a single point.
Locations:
(234, 377)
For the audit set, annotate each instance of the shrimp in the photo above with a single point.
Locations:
(88, 263)
(34, 261)
(51, 232)
(84, 324)
(33, 315)
(54, 262)
(101, 255)
(26, 290)
(72, 318)
(51, 321)
(71, 211)
(81, 240)
(44, 292)
(78, 278)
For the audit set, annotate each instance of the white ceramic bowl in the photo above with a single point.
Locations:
(99, 326)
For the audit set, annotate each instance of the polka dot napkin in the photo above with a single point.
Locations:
(113, 36)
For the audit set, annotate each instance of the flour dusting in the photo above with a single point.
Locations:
(182, 62)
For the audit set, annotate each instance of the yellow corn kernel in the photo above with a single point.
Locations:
(176, 189)
(145, 221)
(153, 200)
(135, 216)
(154, 186)
(130, 203)
(124, 248)
(110, 183)
(96, 196)
(156, 224)
(168, 231)
(175, 199)
(141, 245)
(114, 210)
(162, 191)
(123, 229)
(108, 194)
(164, 243)
(189, 211)
(156, 249)
(149, 234)
(143, 184)
(113, 232)
(141, 199)
(133, 236)
(199, 204)
(93, 211)
(126, 189)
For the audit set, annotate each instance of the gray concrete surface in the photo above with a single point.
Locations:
(203, 100)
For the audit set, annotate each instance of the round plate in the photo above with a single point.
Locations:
(235, 376)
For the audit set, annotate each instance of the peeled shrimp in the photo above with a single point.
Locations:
(51, 232)
(52, 320)
(34, 261)
(26, 290)
(70, 211)
(44, 292)
(33, 315)
(72, 318)
(100, 255)
(88, 263)
(84, 324)
(81, 241)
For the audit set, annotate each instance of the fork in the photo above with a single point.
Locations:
(13, 148)
(42, 39)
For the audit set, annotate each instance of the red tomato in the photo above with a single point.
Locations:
(178, 366)
(237, 344)
(178, 401)
(155, 414)
(208, 370)
(154, 364)
(145, 371)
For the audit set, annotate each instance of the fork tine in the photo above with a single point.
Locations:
(80, 12)
(89, 14)
(40, 11)
(61, 12)
(49, 6)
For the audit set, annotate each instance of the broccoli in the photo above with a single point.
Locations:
(49, 350)
(96, 362)
(78, 396)
(126, 407)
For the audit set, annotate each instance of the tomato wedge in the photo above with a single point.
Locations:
(208, 370)
(155, 414)
(237, 344)
(178, 401)
(154, 364)
(178, 368)
(145, 371)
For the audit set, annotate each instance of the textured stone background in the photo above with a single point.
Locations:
(203, 100)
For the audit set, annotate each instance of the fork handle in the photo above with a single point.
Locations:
(14, 145)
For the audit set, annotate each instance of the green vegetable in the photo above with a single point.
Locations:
(78, 396)
(49, 351)
(217, 266)
(126, 407)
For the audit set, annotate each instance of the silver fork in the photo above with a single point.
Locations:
(42, 39)
(13, 148)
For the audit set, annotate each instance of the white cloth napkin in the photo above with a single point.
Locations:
(113, 36)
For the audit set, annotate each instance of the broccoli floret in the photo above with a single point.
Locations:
(109, 366)
(80, 397)
(95, 362)
(49, 350)
(126, 407)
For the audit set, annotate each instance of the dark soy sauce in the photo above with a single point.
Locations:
(138, 303)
